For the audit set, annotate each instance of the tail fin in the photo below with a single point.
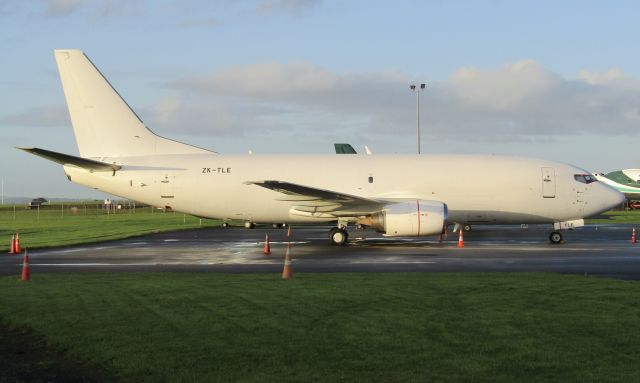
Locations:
(344, 149)
(103, 124)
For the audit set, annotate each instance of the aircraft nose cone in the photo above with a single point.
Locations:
(612, 198)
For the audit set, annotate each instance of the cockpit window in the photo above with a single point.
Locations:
(585, 178)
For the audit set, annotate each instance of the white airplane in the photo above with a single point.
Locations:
(398, 195)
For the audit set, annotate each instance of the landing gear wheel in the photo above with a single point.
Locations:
(225, 224)
(466, 227)
(338, 236)
(555, 237)
(249, 225)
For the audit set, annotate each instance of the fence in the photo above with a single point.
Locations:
(69, 209)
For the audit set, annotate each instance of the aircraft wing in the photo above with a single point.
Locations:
(66, 159)
(315, 200)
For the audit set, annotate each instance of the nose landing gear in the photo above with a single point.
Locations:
(555, 237)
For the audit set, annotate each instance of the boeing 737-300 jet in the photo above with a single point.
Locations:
(398, 195)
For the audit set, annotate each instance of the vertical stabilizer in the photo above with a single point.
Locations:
(103, 124)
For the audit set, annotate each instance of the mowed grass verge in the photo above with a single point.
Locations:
(616, 216)
(54, 227)
(390, 327)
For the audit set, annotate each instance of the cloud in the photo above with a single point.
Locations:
(184, 13)
(95, 9)
(107, 9)
(295, 7)
(297, 96)
(518, 101)
(270, 79)
(525, 100)
(57, 8)
(41, 116)
(505, 88)
(595, 78)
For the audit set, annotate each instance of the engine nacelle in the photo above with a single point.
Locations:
(409, 219)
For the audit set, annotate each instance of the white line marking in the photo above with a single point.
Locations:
(92, 264)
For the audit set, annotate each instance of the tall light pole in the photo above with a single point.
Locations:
(414, 88)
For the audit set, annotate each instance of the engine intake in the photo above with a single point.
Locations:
(408, 219)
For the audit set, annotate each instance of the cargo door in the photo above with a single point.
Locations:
(548, 183)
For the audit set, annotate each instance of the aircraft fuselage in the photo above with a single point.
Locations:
(475, 188)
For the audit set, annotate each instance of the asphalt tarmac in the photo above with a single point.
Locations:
(604, 250)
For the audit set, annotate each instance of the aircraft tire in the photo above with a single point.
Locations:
(555, 237)
(338, 237)
(466, 227)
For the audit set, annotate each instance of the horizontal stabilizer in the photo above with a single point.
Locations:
(66, 159)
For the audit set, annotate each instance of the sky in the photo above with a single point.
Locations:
(558, 80)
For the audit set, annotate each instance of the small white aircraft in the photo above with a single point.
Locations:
(344, 148)
(348, 149)
(626, 181)
(398, 195)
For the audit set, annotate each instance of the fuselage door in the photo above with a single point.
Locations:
(166, 188)
(548, 183)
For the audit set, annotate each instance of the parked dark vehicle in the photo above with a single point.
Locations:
(37, 202)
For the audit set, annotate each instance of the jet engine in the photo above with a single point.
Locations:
(408, 219)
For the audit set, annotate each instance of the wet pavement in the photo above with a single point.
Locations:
(603, 250)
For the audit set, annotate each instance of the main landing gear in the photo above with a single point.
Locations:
(338, 236)
(555, 237)
(466, 227)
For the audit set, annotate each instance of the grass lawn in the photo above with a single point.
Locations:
(390, 327)
(617, 216)
(62, 225)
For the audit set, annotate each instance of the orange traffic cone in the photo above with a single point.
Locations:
(289, 233)
(461, 238)
(25, 267)
(18, 248)
(633, 236)
(267, 248)
(13, 244)
(287, 272)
